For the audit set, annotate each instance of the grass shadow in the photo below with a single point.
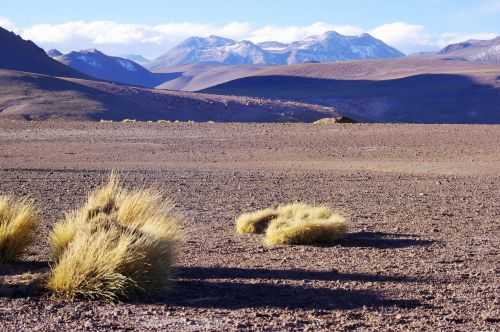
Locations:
(207, 273)
(19, 268)
(231, 295)
(382, 240)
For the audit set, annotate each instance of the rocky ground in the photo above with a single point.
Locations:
(422, 202)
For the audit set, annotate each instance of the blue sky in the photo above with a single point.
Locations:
(151, 27)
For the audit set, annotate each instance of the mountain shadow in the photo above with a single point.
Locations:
(426, 98)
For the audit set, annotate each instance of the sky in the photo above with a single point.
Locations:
(152, 27)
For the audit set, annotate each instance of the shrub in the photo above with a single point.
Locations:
(18, 223)
(294, 224)
(120, 244)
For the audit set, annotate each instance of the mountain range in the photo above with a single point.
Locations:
(328, 47)
(33, 86)
(101, 66)
(455, 86)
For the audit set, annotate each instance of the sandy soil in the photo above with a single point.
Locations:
(423, 204)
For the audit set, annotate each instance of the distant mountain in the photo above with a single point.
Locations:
(484, 51)
(101, 66)
(137, 58)
(22, 55)
(54, 53)
(328, 47)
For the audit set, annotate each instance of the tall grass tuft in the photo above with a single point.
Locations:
(294, 224)
(18, 223)
(120, 244)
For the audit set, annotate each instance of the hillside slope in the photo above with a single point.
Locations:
(483, 51)
(19, 54)
(39, 97)
(101, 66)
(407, 90)
(201, 76)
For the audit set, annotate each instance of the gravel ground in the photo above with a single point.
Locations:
(422, 202)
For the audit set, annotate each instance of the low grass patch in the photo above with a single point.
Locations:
(18, 223)
(294, 224)
(120, 244)
(326, 121)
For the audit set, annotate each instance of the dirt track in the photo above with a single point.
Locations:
(423, 205)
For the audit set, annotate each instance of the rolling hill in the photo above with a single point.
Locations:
(32, 96)
(417, 90)
(201, 76)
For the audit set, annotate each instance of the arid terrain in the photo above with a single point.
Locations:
(422, 202)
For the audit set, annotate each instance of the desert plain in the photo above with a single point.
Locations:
(422, 203)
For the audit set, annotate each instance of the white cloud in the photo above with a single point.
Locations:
(152, 40)
(407, 37)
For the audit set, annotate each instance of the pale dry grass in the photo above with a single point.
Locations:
(129, 121)
(121, 243)
(294, 224)
(18, 223)
(255, 222)
(326, 121)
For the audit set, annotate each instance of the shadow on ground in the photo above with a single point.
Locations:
(202, 287)
(20, 268)
(235, 295)
(206, 273)
(382, 240)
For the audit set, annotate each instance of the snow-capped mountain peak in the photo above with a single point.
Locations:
(328, 47)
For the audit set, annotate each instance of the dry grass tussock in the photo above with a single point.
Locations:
(120, 244)
(129, 121)
(18, 223)
(294, 224)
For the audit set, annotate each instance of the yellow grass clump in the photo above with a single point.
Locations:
(18, 223)
(294, 224)
(129, 121)
(255, 222)
(120, 244)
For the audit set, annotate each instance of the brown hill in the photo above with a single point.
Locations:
(40, 97)
(201, 76)
(420, 89)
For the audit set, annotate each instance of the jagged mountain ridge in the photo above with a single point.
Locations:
(328, 47)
